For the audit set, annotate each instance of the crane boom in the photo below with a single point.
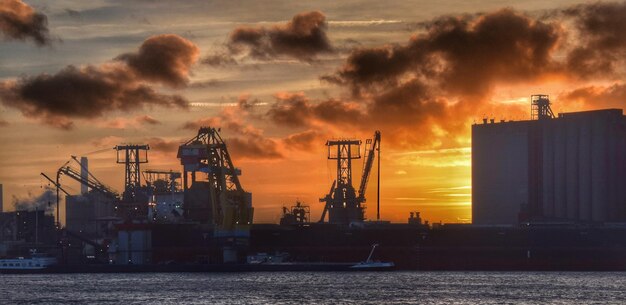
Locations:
(93, 184)
(55, 184)
(328, 200)
(371, 146)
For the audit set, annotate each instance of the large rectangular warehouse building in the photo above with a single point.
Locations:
(571, 168)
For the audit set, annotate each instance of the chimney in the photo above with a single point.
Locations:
(84, 174)
(1, 202)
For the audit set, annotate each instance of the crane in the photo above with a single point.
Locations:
(92, 183)
(371, 147)
(207, 153)
(58, 187)
(328, 199)
(343, 203)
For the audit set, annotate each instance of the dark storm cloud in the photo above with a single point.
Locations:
(86, 92)
(293, 110)
(305, 141)
(378, 65)
(146, 119)
(19, 21)
(163, 145)
(462, 55)
(613, 96)
(338, 112)
(253, 148)
(429, 87)
(163, 58)
(405, 104)
(297, 110)
(602, 35)
(403, 113)
(302, 38)
(219, 60)
(91, 91)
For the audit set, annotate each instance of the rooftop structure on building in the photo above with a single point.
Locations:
(565, 168)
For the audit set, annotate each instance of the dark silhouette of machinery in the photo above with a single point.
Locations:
(296, 215)
(342, 203)
(540, 107)
(372, 146)
(88, 180)
(213, 193)
(134, 201)
(162, 182)
(132, 156)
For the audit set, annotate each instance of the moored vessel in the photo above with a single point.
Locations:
(370, 265)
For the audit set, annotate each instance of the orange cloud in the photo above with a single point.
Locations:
(19, 21)
(91, 91)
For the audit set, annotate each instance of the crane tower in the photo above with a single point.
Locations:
(213, 193)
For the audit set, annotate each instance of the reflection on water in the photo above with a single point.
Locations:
(317, 288)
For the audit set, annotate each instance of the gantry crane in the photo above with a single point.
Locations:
(228, 206)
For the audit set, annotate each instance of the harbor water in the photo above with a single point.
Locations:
(317, 288)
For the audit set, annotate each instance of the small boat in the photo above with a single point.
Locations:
(36, 261)
(370, 265)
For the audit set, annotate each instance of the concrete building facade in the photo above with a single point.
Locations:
(89, 214)
(568, 169)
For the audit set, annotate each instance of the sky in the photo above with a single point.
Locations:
(281, 77)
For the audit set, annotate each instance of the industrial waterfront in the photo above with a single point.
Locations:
(548, 195)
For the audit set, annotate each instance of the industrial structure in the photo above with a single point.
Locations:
(134, 201)
(570, 168)
(298, 214)
(343, 203)
(212, 182)
(548, 194)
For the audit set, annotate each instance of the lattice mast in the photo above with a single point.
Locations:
(341, 203)
(132, 156)
(540, 107)
(207, 153)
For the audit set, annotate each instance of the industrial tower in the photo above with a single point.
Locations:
(540, 107)
(132, 156)
(134, 203)
(214, 195)
(343, 203)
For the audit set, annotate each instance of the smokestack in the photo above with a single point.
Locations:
(84, 174)
(1, 201)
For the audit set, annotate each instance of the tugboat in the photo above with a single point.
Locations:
(37, 261)
(370, 265)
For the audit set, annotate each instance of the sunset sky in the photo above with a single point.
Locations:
(281, 77)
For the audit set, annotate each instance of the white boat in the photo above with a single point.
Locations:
(37, 261)
(371, 265)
